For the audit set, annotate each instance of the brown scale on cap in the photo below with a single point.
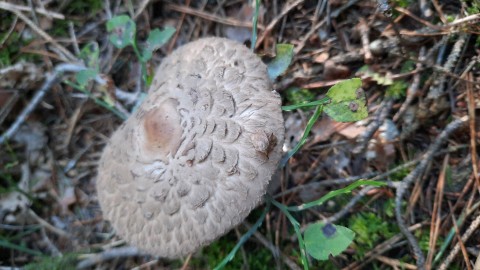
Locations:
(197, 156)
(162, 128)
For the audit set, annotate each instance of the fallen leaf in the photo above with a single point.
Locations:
(321, 58)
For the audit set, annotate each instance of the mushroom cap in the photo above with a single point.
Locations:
(196, 157)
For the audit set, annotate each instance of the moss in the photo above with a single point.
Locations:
(257, 257)
(66, 262)
(87, 7)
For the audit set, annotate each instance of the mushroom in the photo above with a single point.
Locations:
(196, 157)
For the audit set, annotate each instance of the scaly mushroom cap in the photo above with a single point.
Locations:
(197, 156)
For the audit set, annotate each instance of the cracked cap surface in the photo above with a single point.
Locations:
(196, 157)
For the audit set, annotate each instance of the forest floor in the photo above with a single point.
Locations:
(420, 69)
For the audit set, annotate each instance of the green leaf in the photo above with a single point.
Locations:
(397, 90)
(335, 193)
(122, 31)
(321, 240)
(299, 96)
(347, 101)
(311, 122)
(321, 102)
(90, 54)
(6, 244)
(283, 58)
(156, 39)
(84, 76)
(254, 29)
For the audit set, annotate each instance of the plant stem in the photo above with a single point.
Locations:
(254, 30)
(244, 238)
(98, 101)
(302, 141)
(296, 227)
(323, 101)
(335, 193)
(142, 61)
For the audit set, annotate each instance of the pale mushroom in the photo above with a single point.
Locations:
(196, 157)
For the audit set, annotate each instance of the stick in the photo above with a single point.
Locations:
(415, 175)
(51, 80)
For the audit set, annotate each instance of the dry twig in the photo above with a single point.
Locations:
(109, 255)
(414, 176)
(471, 229)
(51, 80)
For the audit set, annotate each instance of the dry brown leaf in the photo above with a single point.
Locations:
(352, 131)
(321, 58)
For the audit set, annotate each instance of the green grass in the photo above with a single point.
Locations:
(257, 256)
(66, 262)
(373, 228)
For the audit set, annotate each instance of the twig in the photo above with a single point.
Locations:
(364, 32)
(11, 7)
(477, 263)
(51, 80)
(473, 17)
(380, 249)
(274, 22)
(412, 89)
(395, 263)
(187, 261)
(473, 132)
(415, 175)
(146, 265)
(436, 213)
(378, 120)
(314, 29)
(141, 8)
(437, 88)
(177, 31)
(274, 249)
(420, 20)
(211, 17)
(471, 229)
(109, 255)
(46, 225)
(317, 182)
(460, 243)
(40, 32)
(9, 32)
(51, 247)
(71, 30)
(346, 209)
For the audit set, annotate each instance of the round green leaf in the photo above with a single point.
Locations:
(283, 58)
(84, 76)
(322, 240)
(122, 31)
(347, 101)
(90, 54)
(156, 39)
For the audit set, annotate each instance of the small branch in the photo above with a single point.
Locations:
(364, 32)
(437, 89)
(40, 32)
(473, 228)
(380, 116)
(346, 209)
(51, 80)
(12, 7)
(274, 22)
(274, 249)
(210, 17)
(412, 90)
(123, 252)
(415, 175)
(47, 225)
